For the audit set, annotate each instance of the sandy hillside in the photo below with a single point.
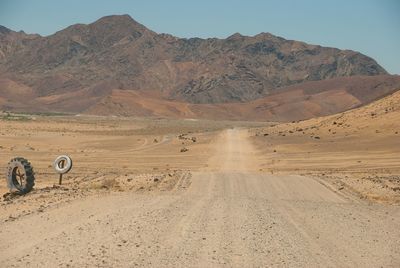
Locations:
(359, 148)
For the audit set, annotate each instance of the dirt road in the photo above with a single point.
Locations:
(231, 215)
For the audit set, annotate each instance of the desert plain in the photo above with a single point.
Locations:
(323, 192)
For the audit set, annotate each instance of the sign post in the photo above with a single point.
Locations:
(62, 165)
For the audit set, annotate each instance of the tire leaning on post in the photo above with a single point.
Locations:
(62, 165)
(20, 175)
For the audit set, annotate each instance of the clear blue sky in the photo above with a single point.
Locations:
(369, 26)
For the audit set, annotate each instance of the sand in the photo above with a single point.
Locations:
(234, 197)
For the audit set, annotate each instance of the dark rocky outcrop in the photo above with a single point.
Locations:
(117, 48)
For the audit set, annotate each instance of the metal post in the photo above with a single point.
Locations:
(61, 165)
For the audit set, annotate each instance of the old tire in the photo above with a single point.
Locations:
(62, 164)
(20, 175)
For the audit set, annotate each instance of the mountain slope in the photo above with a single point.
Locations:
(298, 102)
(78, 68)
(238, 68)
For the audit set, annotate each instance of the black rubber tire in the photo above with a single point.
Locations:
(20, 164)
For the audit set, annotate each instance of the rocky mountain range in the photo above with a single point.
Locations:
(83, 67)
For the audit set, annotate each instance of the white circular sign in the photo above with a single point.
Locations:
(62, 164)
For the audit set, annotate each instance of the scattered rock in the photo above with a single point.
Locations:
(10, 196)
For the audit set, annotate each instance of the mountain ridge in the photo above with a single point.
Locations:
(117, 52)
